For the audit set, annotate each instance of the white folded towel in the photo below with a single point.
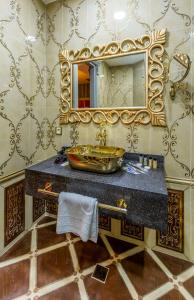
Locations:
(78, 214)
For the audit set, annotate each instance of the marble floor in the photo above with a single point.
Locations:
(47, 266)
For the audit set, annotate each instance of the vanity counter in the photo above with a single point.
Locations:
(145, 194)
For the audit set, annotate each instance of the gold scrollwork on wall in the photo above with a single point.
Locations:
(153, 112)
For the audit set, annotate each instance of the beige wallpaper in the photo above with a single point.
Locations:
(23, 123)
(74, 24)
(31, 36)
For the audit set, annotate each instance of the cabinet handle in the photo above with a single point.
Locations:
(121, 203)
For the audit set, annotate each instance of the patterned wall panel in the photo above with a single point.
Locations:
(133, 231)
(104, 221)
(51, 206)
(14, 211)
(38, 208)
(174, 238)
(23, 85)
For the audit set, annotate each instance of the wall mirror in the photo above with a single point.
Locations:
(120, 81)
(110, 83)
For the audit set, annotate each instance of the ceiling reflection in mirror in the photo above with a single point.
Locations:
(110, 83)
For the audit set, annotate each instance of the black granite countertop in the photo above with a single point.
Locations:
(153, 181)
(145, 194)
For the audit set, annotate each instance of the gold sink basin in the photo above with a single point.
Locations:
(98, 159)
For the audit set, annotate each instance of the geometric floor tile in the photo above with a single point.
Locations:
(119, 246)
(48, 273)
(175, 265)
(20, 248)
(189, 285)
(54, 265)
(14, 280)
(90, 253)
(144, 273)
(68, 292)
(73, 236)
(114, 288)
(47, 236)
(172, 295)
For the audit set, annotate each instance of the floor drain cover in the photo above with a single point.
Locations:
(100, 273)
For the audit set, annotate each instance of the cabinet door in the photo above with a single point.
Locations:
(147, 209)
(14, 211)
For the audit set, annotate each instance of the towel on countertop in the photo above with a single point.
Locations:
(78, 214)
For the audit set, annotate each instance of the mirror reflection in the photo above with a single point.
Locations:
(110, 83)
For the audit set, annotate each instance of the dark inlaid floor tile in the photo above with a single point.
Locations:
(46, 220)
(172, 295)
(189, 285)
(14, 280)
(54, 265)
(90, 253)
(175, 265)
(20, 248)
(73, 236)
(68, 292)
(47, 236)
(119, 246)
(144, 273)
(114, 288)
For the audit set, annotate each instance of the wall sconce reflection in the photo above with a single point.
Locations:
(185, 62)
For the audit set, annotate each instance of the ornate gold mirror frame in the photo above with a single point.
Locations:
(152, 113)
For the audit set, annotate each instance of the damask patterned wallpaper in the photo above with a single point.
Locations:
(31, 35)
(75, 24)
(23, 123)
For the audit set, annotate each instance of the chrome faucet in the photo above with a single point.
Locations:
(101, 135)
